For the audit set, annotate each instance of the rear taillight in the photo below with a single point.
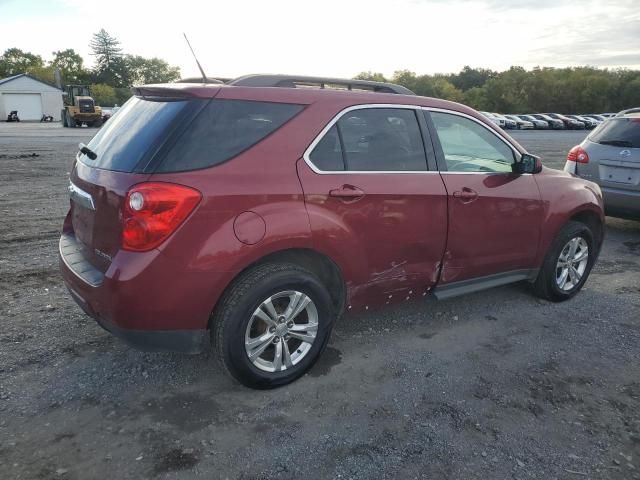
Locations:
(152, 211)
(578, 154)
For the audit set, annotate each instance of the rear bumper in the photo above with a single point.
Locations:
(182, 341)
(621, 203)
(148, 300)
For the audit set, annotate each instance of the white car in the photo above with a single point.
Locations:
(498, 121)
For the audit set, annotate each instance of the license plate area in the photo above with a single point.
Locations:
(619, 174)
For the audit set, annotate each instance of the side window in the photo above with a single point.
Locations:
(222, 130)
(470, 147)
(382, 139)
(372, 139)
(327, 155)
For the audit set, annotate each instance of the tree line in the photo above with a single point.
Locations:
(560, 90)
(516, 90)
(112, 77)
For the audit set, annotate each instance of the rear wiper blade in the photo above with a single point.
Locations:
(87, 151)
(616, 143)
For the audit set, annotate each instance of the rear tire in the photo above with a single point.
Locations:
(261, 342)
(565, 271)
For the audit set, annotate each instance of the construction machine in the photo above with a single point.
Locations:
(79, 107)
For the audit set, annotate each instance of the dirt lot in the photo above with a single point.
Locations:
(496, 385)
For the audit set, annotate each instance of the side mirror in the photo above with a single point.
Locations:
(527, 164)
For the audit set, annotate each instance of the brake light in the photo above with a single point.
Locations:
(578, 154)
(153, 211)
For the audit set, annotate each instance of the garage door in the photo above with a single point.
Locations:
(29, 105)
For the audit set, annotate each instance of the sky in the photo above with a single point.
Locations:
(337, 37)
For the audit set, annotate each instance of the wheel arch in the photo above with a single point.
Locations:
(594, 221)
(325, 268)
(587, 214)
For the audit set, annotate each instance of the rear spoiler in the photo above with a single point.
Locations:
(176, 91)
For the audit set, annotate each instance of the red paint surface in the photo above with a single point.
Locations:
(388, 245)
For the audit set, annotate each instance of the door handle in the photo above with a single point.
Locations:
(348, 192)
(466, 194)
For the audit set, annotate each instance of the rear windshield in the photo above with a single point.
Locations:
(222, 130)
(618, 132)
(132, 134)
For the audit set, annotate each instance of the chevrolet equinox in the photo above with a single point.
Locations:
(251, 214)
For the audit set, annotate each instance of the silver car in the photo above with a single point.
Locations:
(522, 124)
(610, 156)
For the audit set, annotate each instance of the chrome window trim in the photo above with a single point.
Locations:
(415, 108)
(335, 119)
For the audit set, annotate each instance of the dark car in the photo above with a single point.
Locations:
(569, 123)
(254, 216)
(610, 156)
(589, 123)
(554, 123)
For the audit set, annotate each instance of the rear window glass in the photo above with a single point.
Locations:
(222, 130)
(327, 155)
(131, 134)
(618, 132)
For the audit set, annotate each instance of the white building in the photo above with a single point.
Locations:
(30, 97)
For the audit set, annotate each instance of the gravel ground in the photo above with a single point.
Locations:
(495, 385)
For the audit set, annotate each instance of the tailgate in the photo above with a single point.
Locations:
(96, 198)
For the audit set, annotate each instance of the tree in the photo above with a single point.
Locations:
(71, 66)
(469, 78)
(14, 61)
(143, 71)
(105, 47)
(371, 76)
(111, 67)
(104, 95)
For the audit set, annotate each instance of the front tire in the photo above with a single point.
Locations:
(272, 325)
(567, 264)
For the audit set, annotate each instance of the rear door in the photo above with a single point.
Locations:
(373, 203)
(494, 214)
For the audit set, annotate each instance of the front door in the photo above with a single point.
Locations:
(374, 205)
(494, 214)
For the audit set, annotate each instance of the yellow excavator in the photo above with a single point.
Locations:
(79, 107)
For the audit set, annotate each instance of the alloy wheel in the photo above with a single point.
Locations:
(572, 263)
(281, 331)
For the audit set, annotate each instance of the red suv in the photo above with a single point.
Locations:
(255, 212)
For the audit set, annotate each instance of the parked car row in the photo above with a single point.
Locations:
(547, 121)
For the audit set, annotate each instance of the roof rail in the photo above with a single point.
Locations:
(297, 81)
(629, 110)
(200, 80)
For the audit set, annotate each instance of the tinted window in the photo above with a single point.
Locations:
(327, 155)
(128, 136)
(222, 130)
(382, 139)
(372, 139)
(471, 147)
(619, 132)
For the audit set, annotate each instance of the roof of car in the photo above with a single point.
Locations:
(304, 96)
(630, 112)
(334, 99)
